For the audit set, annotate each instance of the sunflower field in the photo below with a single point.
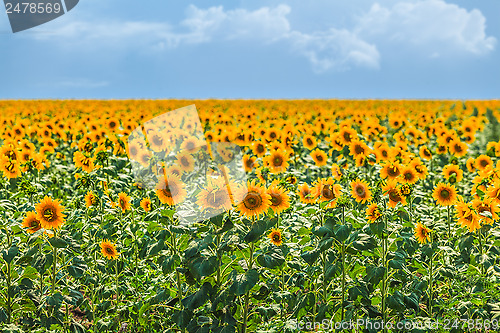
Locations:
(355, 216)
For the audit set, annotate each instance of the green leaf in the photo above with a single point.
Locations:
(257, 229)
(77, 268)
(10, 254)
(374, 274)
(271, 257)
(169, 263)
(157, 247)
(396, 301)
(199, 298)
(242, 283)
(342, 232)
(58, 242)
(310, 256)
(202, 266)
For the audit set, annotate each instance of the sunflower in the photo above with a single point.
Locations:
(453, 173)
(444, 194)
(306, 194)
(280, 200)
(215, 195)
(467, 216)
(347, 135)
(390, 170)
(383, 152)
(170, 191)
(49, 213)
(326, 190)
(82, 161)
(124, 201)
(441, 149)
(9, 167)
(358, 148)
(31, 222)
(422, 233)
(277, 162)
(309, 142)
(275, 237)
(471, 164)
(425, 153)
(319, 157)
(458, 148)
(336, 171)
(108, 250)
(252, 200)
(146, 204)
(373, 213)
(494, 192)
(483, 162)
(259, 148)
(185, 161)
(486, 205)
(90, 199)
(394, 193)
(360, 191)
(408, 175)
(249, 162)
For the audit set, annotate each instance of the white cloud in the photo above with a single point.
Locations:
(335, 49)
(431, 26)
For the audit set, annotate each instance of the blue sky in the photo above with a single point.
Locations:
(258, 49)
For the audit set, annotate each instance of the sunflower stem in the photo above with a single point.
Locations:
(449, 223)
(54, 266)
(384, 278)
(431, 275)
(479, 238)
(342, 253)
(247, 295)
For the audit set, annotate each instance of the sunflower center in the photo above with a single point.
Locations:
(276, 237)
(394, 195)
(34, 224)
(360, 190)
(393, 171)
(408, 176)
(309, 142)
(445, 194)
(253, 200)
(109, 250)
(327, 192)
(358, 149)
(260, 148)
(319, 158)
(278, 161)
(48, 214)
(276, 199)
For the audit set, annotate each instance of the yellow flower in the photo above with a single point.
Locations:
(49, 213)
(422, 233)
(276, 237)
(108, 250)
(445, 195)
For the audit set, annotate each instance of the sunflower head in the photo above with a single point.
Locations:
(444, 194)
(49, 213)
(124, 201)
(31, 222)
(422, 233)
(146, 204)
(275, 237)
(108, 250)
